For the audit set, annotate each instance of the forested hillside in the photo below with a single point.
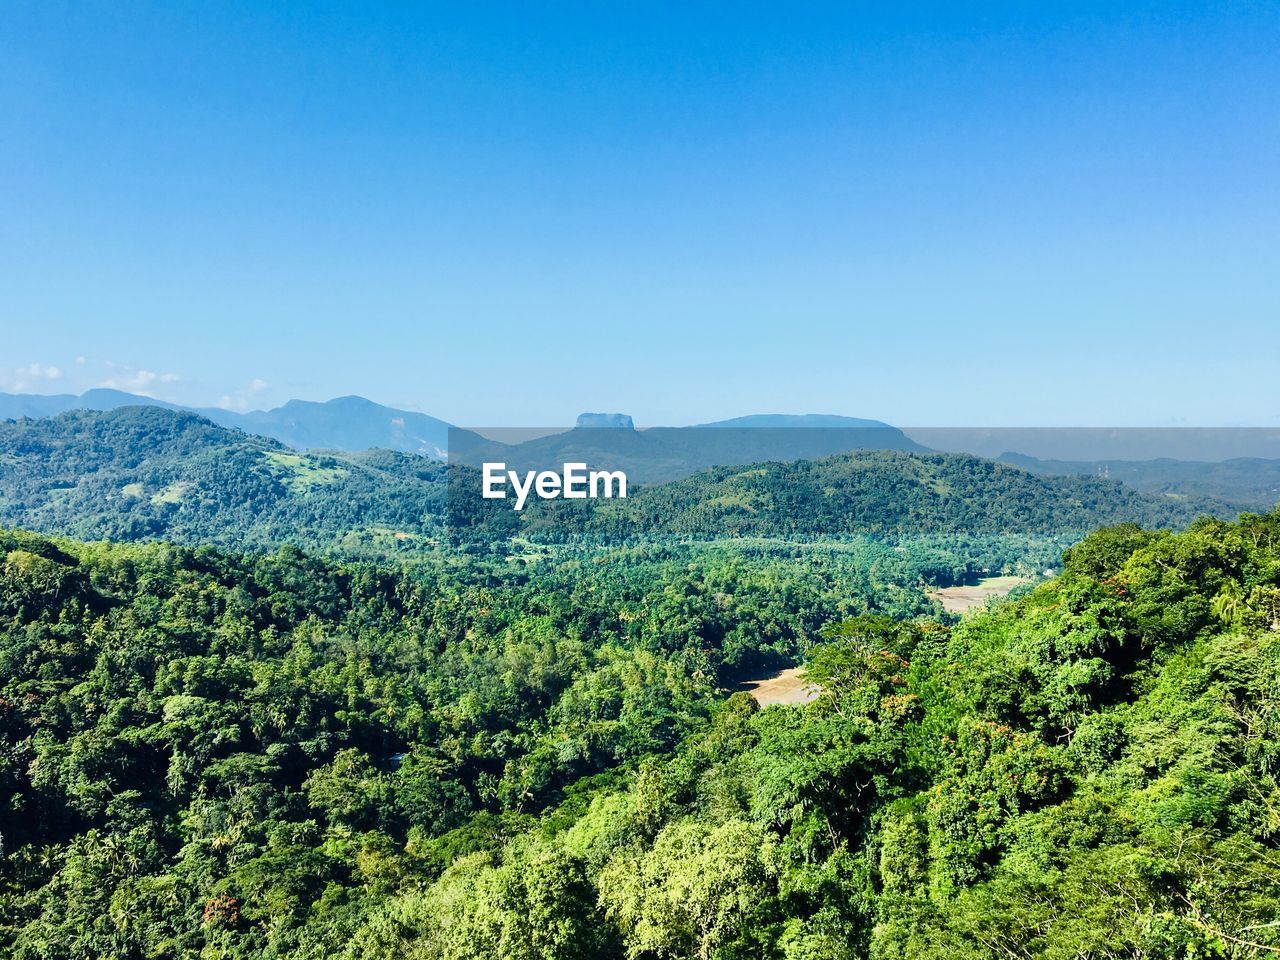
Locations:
(140, 473)
(882, 493)
(147, 473)
(208, 754)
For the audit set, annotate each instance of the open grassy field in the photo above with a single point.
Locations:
(784, 687)
(960, 599)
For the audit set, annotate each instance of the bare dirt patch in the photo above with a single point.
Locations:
(960, 599)
(786, 687)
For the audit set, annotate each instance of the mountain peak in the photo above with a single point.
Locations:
(620, 421)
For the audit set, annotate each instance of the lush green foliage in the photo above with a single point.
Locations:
(180, 727)
(1091, 771)
(221, 756)
(148, 473)
(518, 747)
(881, 493)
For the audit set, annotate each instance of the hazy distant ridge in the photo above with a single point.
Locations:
(345, 423)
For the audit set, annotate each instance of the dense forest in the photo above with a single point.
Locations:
(312, 705)
(140, 473)
(215, 754)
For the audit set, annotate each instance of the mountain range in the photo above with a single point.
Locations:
(662, 454)
(142, 473)
(353, 424)
(344, 423)
(1240, 466)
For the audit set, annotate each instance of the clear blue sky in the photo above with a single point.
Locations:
(1030, 213)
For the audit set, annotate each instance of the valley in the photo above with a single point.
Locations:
(639, 481)
(301, 703)
(274, 753)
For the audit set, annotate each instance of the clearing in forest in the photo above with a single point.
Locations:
(786, 687)
(960, 599)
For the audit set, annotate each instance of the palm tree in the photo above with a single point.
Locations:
(1228, 605)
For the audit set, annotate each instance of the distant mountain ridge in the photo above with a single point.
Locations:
(811, 421)
(661, 454)
(15, 406)
(349, 423)
(1250, 482)
(1079, 444)
(346, 423)
(1241, 465)
(654, 454)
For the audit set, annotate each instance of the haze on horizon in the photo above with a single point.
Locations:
(1027, 215)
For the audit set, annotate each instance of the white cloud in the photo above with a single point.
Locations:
(133, 380)
(84, 372)
(32, 376)
(242, 401)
